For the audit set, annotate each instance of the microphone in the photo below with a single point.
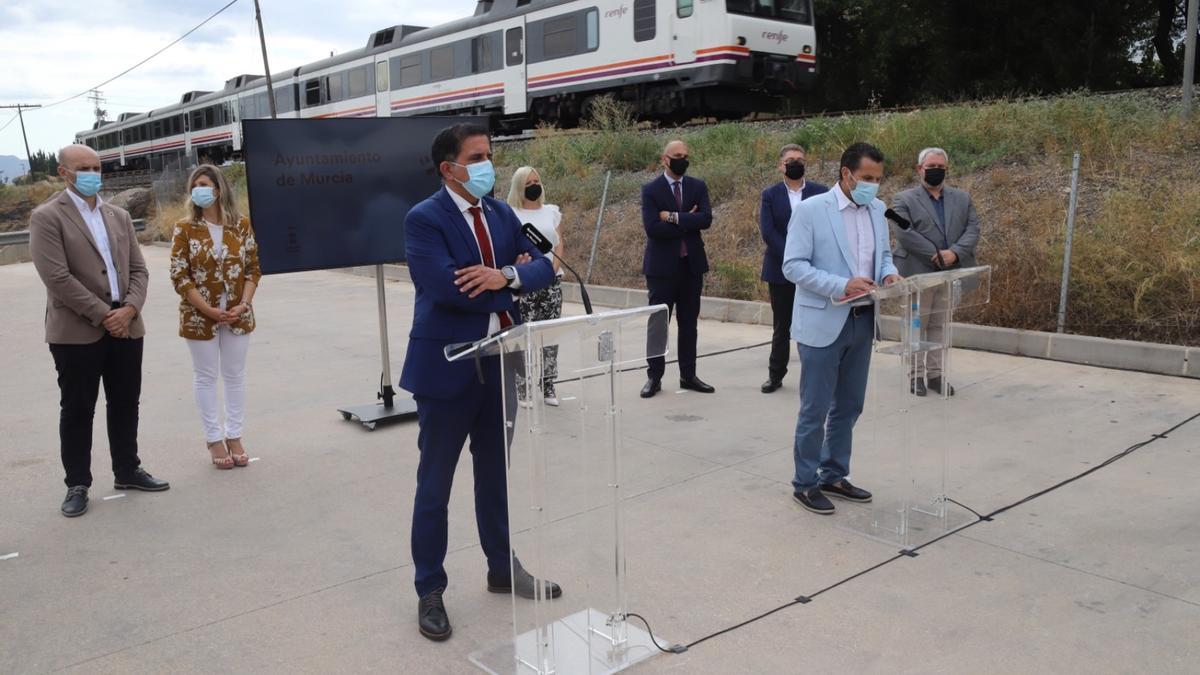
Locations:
(903, 224)
(543, 244)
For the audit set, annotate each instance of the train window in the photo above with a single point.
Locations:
(335, 88)
(558, 37)
(284, 101)
(796, 11)
(643, 20)
(381, 76)
(356, 82)
(312, 93)
(441, 63)
(197, 120)
(406, 71)
(684, 8)
(512, 38)
(156, 131)
(485, 53)
(210, 117)
(176, 125)
(592, 19)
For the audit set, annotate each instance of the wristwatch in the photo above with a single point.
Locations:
(510, 273)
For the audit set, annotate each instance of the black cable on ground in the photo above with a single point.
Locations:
(912, 552)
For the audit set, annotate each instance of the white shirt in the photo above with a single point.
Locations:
(860, 234)
(464, 206)
(671, 184)
(795, 196)
(217, 232)
(546, 220)
(95, 223)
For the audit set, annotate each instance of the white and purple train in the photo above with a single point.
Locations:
(519, 62)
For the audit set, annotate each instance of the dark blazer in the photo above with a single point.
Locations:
(913, 252)
(662, 237)
(773, 217)
(438, 241)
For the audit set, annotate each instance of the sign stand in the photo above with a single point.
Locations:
(372, 414)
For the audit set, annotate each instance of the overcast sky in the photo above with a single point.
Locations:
(52, 50)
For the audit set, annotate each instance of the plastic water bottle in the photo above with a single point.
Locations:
(914, 337)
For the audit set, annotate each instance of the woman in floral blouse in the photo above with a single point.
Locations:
(214, 267)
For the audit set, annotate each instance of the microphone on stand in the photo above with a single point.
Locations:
(903, 224)
(543, 244)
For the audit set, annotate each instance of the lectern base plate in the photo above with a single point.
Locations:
(372, 414)
(900, 524)
(572, 650)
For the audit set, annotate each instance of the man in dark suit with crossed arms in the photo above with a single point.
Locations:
(467, 257)
(675, 210)
(773, 216)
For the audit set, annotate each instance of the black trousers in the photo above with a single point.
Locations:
(81, 368)
(782, 297)
(681, 294)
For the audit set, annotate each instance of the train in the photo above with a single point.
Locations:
(520, 63)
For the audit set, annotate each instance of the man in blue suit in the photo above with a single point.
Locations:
(467, 257)
(837, 246)
(778, 202)
(675, 211)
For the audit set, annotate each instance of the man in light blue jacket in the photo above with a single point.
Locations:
(837, 246)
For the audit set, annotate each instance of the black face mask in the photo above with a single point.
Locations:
(532, 192)
(794, 170)
(934, 177)
(678, 165)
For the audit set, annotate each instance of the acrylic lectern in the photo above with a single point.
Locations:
(904, 452)
(565, 509)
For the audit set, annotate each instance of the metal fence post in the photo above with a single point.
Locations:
(1066, 277)
(587, 278)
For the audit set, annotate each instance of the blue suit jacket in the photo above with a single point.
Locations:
(438, 241)
(817, 258)
(662, 238)
(773, 217)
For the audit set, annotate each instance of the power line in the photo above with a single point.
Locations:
(139, 63)
(10, 121)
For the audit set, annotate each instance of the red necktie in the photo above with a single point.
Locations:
(485, 251)
(679, 209)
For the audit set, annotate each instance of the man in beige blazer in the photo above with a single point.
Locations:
(87, 254)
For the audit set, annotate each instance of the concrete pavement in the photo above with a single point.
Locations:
(300, 563)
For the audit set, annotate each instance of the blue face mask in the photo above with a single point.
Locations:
(202, 196)
(481, 177)
(87, 182)
(864, 192)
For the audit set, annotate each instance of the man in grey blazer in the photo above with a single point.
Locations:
(944, 216)
(88, 257)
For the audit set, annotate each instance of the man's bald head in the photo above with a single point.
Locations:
(78, 157)
(675, 157)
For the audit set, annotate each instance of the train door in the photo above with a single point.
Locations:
(233, 114)
(383, 88)
(516, 98)
(685, 29)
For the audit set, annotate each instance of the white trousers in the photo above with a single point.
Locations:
(224, 354)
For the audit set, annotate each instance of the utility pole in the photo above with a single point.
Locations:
(262, 40)
(20, 107)
(1189, 58)
(97, 97)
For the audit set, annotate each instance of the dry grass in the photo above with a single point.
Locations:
(17, 201)
(1136, 268)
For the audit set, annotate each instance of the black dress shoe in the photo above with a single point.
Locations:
(918, 386)
(844, 490)
(76, 502)
(935, 383)
(696, 384)
(814, 501)
(652, 387)
(503, 583)
(431, 617)
(140, 480)
(771, 385)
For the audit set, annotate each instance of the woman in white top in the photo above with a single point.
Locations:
(215, 270)
(527, 197)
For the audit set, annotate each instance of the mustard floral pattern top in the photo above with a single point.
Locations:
(193, 265)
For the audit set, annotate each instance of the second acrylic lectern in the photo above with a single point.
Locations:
(907, 442)
(565, 476)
